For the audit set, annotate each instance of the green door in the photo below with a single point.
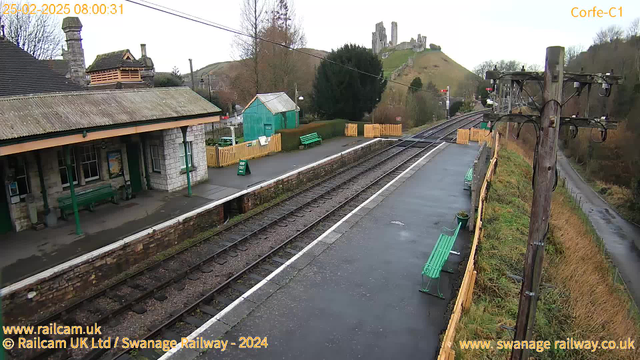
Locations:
(268, 130)
(133, 158)
(5, 216)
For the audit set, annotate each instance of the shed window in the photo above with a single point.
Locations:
(183, 165)
(64, 179)
(89, 162)
(155, 157)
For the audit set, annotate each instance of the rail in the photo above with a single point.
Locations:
(211, 295)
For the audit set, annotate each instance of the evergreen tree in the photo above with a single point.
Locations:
(339, 92)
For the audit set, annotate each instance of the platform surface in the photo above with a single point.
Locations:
(29, 252)
(359, 297)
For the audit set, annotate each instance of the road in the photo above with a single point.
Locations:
(621, 237)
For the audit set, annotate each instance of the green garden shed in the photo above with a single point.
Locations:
(267, 113)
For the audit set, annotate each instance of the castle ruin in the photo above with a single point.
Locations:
(379, 40)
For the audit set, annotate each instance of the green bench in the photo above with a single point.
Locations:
(87, 198)
(437, 260)
(468, 178)
(310, 139)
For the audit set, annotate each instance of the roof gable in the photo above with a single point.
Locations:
(275, 102)
(22, 74)
(114, 60)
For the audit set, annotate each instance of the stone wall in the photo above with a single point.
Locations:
(91, 274)
(174, 166)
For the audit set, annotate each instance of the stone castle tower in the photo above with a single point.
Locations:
(74, 54)
(394, 33)
(379, 38)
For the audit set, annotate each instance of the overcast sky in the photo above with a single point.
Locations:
(468, 31)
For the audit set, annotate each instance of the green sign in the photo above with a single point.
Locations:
(243, 168)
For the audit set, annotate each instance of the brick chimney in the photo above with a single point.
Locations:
(74, 54)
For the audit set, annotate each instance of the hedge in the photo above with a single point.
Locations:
(326, 130)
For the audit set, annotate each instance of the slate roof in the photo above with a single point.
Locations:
(21, 73)
(59, 66)
(39, 114)
(275, 102)
(113, 60)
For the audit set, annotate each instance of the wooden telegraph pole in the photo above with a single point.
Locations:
(543, 184)
(547, 125)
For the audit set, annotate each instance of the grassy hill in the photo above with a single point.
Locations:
(429, 65)
(223, 73)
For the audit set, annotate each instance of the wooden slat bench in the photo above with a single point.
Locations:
(468, 179)
(310, 139)
(87, 198)
(437, 259)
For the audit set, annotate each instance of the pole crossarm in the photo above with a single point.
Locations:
(564, 120)
(581, 77)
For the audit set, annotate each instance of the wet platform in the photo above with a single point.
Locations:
(353, 293)
(29, 252)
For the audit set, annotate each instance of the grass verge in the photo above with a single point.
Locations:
(619, 197)
(417, 129)
(579, 299)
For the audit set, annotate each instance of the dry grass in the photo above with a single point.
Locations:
(584, 302)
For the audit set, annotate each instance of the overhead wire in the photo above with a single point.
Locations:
(210, 23)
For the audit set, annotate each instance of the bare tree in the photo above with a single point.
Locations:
(39, 35)
(634, 28)
(534, 67)
(483, 67)
(281, 70)
(571, 53)
(252, 20)
(610, 34)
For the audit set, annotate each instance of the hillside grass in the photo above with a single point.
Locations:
(581, 299)
(434, 66)
(395, 60)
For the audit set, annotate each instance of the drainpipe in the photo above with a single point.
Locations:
(186, 158)
(74, 202)
(43, 188)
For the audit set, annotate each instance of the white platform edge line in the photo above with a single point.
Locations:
(95, 253)
(244, 296)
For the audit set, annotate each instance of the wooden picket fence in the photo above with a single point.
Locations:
(372, 130)
(391, 129)
(465, 294)
(351, 130)
(377, 130)
(224, 156)
(462, 136)
(479, 135)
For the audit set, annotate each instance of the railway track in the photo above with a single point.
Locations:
(173, 297)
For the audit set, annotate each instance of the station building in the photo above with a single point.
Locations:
(129, 139)
(267, 113)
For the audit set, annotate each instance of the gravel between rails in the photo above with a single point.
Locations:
(91, 311)
(134, 325)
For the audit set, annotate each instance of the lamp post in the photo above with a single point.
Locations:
(301, 98)
(208, 83)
